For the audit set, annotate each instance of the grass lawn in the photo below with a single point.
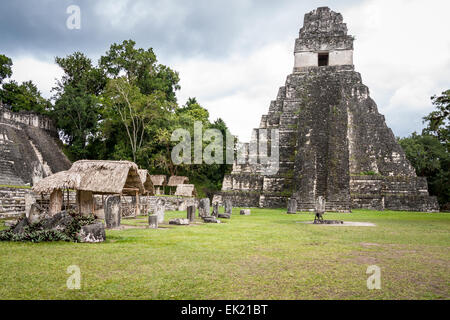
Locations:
(267, 255)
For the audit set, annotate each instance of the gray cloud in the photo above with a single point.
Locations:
(192, 35)
(192, 27)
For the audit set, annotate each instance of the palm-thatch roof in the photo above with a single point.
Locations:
(186, 190)
(146, 181)
(96, 176)
(176, 180)
(158, 180)
(106, 177)
(58, 181)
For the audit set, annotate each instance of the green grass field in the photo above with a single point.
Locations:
(267, 255)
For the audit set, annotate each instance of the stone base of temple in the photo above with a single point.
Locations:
(367, 192)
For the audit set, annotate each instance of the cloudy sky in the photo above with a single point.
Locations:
(233, 55)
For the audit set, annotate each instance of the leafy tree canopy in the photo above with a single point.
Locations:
(141, 68)
(438, 121)
(24, 97)
(429, 152)
(5, 67)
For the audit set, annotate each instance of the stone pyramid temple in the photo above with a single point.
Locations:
(333, 142)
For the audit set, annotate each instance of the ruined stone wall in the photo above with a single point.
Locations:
(27, 118)
(12, 201)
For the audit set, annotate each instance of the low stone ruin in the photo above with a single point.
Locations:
(63, 226)
(245, 212)
(93, 233)
(179, 222)
(210, 219)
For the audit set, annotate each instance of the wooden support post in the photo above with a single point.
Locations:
(137, 211)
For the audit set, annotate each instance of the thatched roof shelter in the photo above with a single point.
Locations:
(58, 181)
(96, 176)
(108, 177)
(186, 190)
(146, 181)
(158, 180)
(176, 180)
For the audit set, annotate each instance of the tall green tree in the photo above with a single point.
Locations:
(429, 152)
(135, 110)
(141, 69)
(21, 97)
(438, 121)
(77, 109)
(140, 99)
(5, 68)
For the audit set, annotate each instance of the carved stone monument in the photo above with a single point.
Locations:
(160, 210)
(319, 210)
(153, 221)
(292, 206)
(191, 213)
(113, 212)
(215, 212)
(228, 204)
(203, 208)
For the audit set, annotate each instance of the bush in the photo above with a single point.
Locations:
(36, 232)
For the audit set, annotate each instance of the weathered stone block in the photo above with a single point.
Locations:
(160, 210)
(113, 212)
(21, 225)
(59, 221)
(210, 219)
(203, 208)
(228, 206)
(292, 206)
(179, 222)
(215, 212)
(191, 213)
(153, 221)
(93, 233)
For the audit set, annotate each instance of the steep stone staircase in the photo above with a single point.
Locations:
(8, 175)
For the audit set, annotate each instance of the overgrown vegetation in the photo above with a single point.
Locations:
(36, 232)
